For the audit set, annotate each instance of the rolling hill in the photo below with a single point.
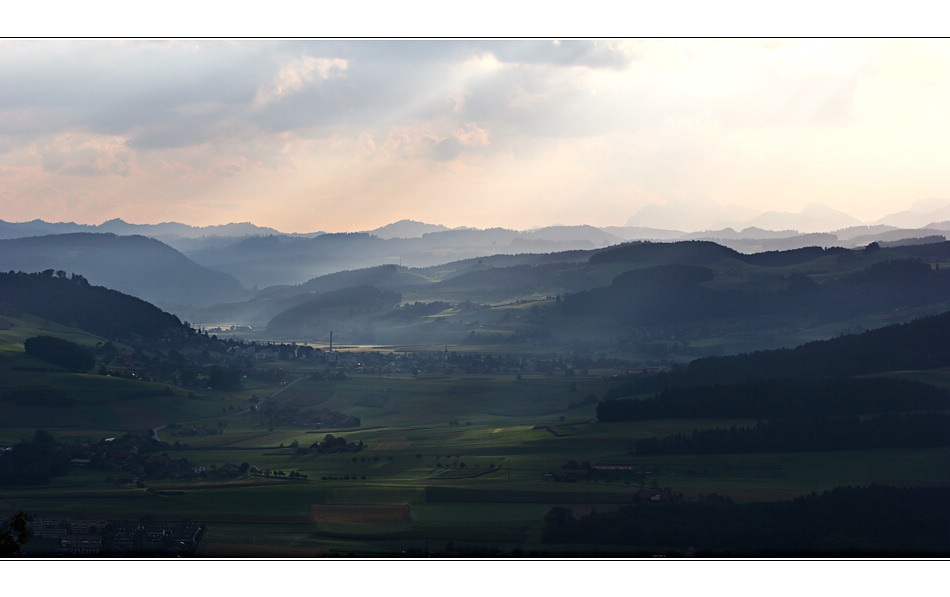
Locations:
(676, 300)
(136, 265)
(73, 301)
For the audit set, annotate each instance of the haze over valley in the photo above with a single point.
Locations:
(474, 298)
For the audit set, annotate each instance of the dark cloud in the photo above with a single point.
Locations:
(113, 87)
(153, 92)
(181, 94)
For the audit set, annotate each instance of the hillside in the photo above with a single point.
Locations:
(261, 257)
(502, 449)
(675, 301)
(136, 265)
(919, 344)
(314, 317)
(73, 301)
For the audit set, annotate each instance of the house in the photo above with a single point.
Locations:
(230, 468)
(83, 545)
(266, 355)
(654, 494)
(613, 468)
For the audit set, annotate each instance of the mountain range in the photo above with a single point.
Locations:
(243, 273)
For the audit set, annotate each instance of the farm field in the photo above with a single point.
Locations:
(454, 463)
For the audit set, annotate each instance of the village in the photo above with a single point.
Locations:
(83, 537)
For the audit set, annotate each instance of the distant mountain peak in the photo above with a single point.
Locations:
(923, 212)
(406, 229)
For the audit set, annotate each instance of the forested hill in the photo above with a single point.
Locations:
(135, 265)
(682, 292)
(71, 300)
(920, 344)
(347, 303)
(705, 252)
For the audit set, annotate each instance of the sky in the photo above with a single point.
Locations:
(347, 135)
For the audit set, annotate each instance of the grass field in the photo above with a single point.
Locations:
(448, 462)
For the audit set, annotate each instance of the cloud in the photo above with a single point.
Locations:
(580, 53)
(447, 149)
(468, 137)
(615, 123)
(178, 94)
(473, 136)
(86, 155)
(298, 73)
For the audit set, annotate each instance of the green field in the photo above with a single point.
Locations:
(436, 460)
(449, 462)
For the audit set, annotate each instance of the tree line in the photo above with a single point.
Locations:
(846, 521)
(920, 344)
(676, 293)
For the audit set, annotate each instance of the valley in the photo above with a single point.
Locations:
(506, 406)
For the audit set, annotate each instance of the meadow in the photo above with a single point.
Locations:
(449, 463)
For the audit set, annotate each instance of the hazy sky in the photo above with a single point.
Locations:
(352, 135)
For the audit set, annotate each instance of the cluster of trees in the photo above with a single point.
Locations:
(15, 535)
(224, 379)
(869, 521)
(280, 473)
(34, 462)
(60, 352)
(333, 445)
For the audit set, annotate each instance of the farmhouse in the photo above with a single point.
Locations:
(654, 494)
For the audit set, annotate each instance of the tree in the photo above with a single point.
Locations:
(224, 379)
(62, 353)
(15, 535)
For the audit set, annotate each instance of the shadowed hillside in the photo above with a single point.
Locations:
(73, 301)
(135, 265)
